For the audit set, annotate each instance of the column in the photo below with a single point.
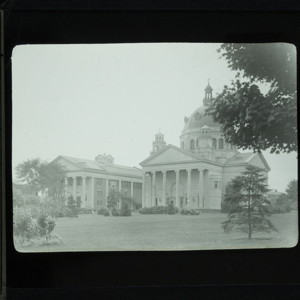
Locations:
(131, 191)
(177, 188)
(201, 186)
(144, 190)
(189, 171)
(120, 191)
(153, 188)
(83, 192)
(164, 187)
(106, 191)
(206, 196)
(74, 189)
(93, 192)
(66, 190)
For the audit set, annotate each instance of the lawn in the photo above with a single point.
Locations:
(163, 232)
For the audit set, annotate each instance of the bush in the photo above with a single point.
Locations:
(125, 211)
(190, 211)
(102, 210)
(227, 207)
(172, 210)
(46, 222)
(280, 209)
(115, 212)
(23, 223)
(84, 210)
(156, 210)
(106, 213)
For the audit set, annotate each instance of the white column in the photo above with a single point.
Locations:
(189, 187)
(120, 190)
(177, 188)
(201, 186)
(153, 188)
(131, 189)
(74, 189)
(164, 187)
(66, 190)
(93, 192)
(106, 191)
(144, 190)
(83, 192)
(206, 195)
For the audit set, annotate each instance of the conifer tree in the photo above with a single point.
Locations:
(249, 202)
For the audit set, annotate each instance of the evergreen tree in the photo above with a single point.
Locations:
(249, 202)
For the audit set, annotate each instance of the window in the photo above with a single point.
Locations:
(216, 184)
(220, 143)
(78, 181)
(70, 181)
(192, 145)
(214, 143)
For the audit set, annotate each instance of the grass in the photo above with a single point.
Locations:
(94, 232)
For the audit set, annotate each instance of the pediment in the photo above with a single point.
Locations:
(170, 154)
(68, 164)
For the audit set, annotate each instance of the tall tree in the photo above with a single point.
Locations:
(250, 119)
(292, 190)
(40, 176)
(249, 202)
(113, 198)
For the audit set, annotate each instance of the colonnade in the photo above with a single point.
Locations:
(83, 194)
(150, 178)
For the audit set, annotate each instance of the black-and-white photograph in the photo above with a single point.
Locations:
(154, 146)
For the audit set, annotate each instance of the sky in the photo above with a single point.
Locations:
(86, 100)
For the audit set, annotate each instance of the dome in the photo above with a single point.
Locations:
(197, 120)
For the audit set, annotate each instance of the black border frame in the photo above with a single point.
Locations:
(113, 272)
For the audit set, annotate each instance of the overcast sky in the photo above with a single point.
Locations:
(84, 100)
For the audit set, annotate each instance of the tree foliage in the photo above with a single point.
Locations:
(292, 190)
(40, 176)
(113, 198)
(250, 119)
(250, 205)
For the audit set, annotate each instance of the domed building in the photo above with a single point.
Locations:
(196, 173)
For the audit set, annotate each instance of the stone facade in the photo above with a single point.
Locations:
(196, 174)
(89, 181)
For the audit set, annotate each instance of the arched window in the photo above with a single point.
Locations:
(182, 145)
(192, 145)
(220, 143)
(214, 143)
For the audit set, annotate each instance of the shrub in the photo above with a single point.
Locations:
(84, 210)
(115, 212)
(46, 222)
(172, 210)
(190, 211)
(106, 213)
(125, 211)
(102, 210)
(23, 223)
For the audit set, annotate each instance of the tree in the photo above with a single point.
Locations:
(249, 119)
(292, 190)
(113, 198)
(40, 176)
(250, 205)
